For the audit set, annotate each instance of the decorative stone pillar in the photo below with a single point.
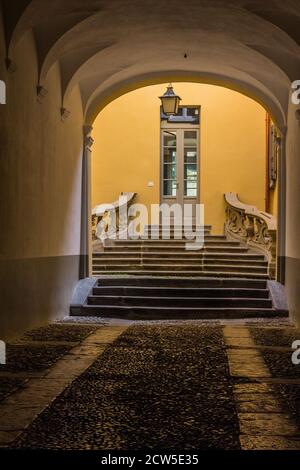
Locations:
(86, 228)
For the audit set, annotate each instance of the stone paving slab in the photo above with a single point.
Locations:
(8, 436)
(250, 388)
(263, 403)
(269, 443)
(22, 375)
(251, 369)
(237, 332)
(19, 410)
(34, 343)
(43, 389)
(238, 341)
(244, 353)
(273, 424)
(263, 423)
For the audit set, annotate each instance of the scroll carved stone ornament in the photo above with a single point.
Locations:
(255, 228)
(103, 214)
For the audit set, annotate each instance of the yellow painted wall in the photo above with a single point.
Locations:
(126, 153)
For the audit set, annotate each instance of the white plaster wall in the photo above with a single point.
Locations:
(40, 194)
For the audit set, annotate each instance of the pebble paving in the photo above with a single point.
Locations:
(36, 351)
(60, 332)
(159, 387)
(9, 385)
(282, 337)
(32, 357)
(22, 407)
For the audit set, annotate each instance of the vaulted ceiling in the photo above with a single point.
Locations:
(108, 47)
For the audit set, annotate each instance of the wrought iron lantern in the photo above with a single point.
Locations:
(170, 101)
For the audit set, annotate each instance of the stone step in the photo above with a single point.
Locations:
(182, 267)
(163, 278)
(145, 260)
(185, 313)
(146, 242)
(197, 302)
(196, 273)
(177, 235)
(180, 282)
(178, 230)
(178, 254)
(167, 291)
(178, 248)
(176, 227)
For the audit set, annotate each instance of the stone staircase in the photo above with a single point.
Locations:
(153, 257)
(179, 298)
(160, 279)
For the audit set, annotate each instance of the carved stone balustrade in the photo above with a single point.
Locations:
(254, 227)
(115, 212)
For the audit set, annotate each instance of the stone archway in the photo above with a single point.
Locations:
(271, 107)
(78, 56)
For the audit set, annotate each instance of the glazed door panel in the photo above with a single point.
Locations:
(180, 166)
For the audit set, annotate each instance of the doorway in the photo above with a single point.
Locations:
(180, 162)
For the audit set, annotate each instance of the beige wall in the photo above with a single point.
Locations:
(40, 195)
(126, 153)
(292, 254)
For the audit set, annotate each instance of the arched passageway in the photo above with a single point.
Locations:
(63, 61)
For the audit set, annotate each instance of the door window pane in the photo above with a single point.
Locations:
(169, 139)
(190, 171)
(190, 188)
(169, 163)
(169, 172)
(169, 188)
(190, 155)
(190, 138)
(169, 155)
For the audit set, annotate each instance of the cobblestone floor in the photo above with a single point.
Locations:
(175, 385)
(156, 386)
(36, 351)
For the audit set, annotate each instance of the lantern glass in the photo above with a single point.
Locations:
(170, 102)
